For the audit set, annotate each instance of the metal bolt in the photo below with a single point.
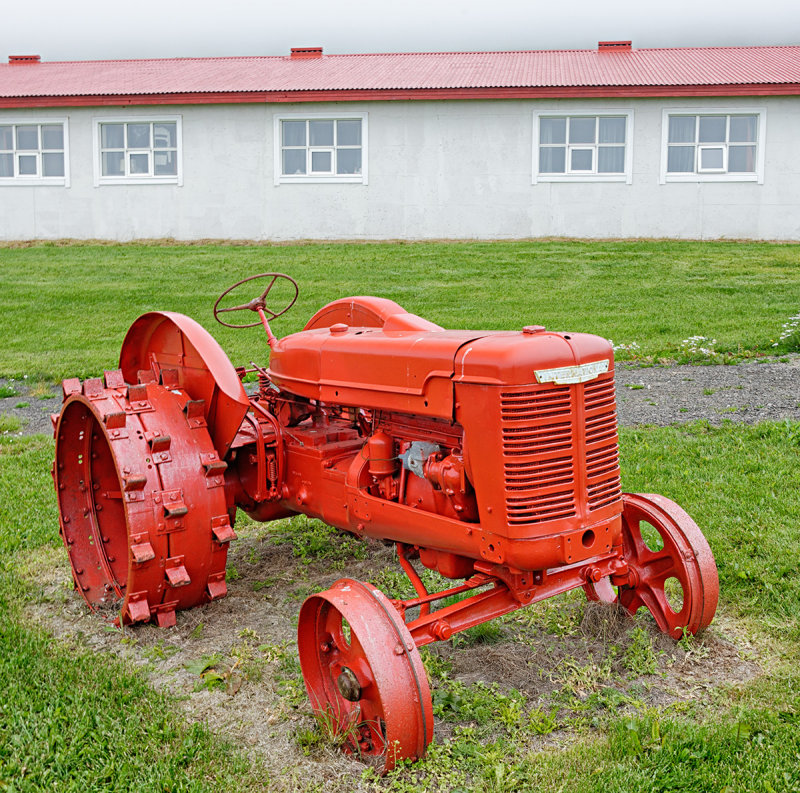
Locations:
(325, 647)
(441, 630)
(594, 574)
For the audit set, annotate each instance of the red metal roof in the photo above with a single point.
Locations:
(635, 72)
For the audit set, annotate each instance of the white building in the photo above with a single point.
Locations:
(613, 142)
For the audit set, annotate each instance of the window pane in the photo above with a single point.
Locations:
(680, 159)
(712, 129)
(7, 138)
(612, 130)
(320, 133)
(165, 163)
(27, 165)
(743, 129)
(348, 133)
(112, 136)
(552, 130)
(582, 130)
(165, 136)
(581, 159)
(348, 161)
(113, 163)
(742, 159)
(28, 138)
(321, 161)
(6, 165)
(552, 159)
(294, 133)
(681, 129)
(139, 163)
(53, 136)
(611, 159)
(711, 159)
(138, 136)
(294, 161)
(53, 164)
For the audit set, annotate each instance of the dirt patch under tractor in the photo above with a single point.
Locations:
(233, 663)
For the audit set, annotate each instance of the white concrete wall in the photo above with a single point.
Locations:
(454, 169)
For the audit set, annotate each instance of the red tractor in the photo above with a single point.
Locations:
(489, 456)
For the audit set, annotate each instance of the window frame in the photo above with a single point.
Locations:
(319, 177)
(714, 174)
(626, 176)
(38, 181)
(150, 178)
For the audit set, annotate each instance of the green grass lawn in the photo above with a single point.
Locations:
(67, 308)
(72, 719)
(75, 720)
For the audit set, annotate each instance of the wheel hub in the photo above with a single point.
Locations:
(348, 685)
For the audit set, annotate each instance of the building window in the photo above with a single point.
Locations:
(140, 150)
(318, 148)
(582, 147)
(713, 146)
(33, 152)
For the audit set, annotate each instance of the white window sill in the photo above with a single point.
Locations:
(712, 177)
(337, 179)
(109, 180)
(582, 177)
(45, 182)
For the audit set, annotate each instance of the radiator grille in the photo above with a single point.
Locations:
(602, 453)
(540, 449)
(538, 454)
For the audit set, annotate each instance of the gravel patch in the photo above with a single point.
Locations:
(25, 406)
(661, 395)
(746, 392)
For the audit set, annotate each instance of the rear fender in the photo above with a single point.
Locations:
(164, 340)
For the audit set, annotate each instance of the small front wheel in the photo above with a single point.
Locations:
(672, 570)
(364, 674)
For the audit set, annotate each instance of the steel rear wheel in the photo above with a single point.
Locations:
(672, 569)
(141, 499)
(364, 674)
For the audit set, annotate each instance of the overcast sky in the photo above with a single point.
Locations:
(88, 29)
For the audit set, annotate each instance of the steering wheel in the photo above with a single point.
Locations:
(257, 302)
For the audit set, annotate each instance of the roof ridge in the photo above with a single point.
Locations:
(287, 57)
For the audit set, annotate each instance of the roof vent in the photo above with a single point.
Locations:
(306, 52)
(613, 46)
(24, 58)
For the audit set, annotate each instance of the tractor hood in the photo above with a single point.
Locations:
(406, 370)
(413, 371)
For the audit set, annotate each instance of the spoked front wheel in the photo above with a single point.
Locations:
(364, 674)
(672, 570)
